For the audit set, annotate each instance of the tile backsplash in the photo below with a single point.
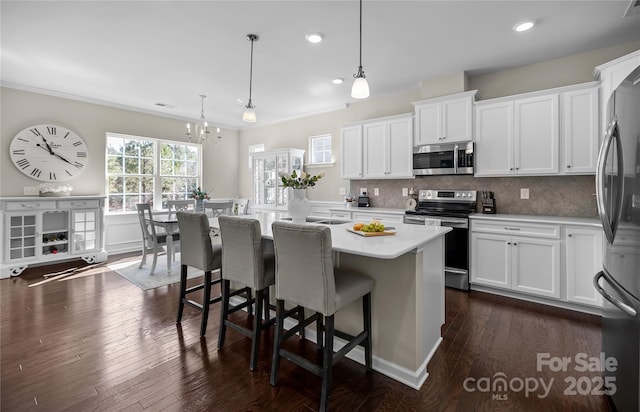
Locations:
(548, 195)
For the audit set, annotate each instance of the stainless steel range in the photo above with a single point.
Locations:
(452, 208)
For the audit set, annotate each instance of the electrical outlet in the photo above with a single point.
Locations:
(363, 191)
(524, 193)
(30, 191)
(342, 191)
(376, 191)
(405, 191)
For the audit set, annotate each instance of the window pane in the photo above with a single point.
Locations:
(146, 185)
(115, 184)
(131, 201)
(131, 148)
(114, 145)
(147, 166)
(131, 165)
(166, 167)
(192, 169)
(192, 153)
(115, 203)
(114, 164)
(179, 168)
(131, 185)
(146, 149)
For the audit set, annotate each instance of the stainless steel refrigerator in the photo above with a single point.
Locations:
(618, 199)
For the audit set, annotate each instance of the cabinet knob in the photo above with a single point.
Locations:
(508, 243)
(511, 168)
(515, 243)
(570, 235)
(568, 166)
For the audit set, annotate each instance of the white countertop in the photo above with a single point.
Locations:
(556, 220)
(406, 239)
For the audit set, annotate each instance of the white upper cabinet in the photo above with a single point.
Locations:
(494, 139)
(536, 133)
(446, 119)
(351, 152)
(579, 131)
(378, 148)
(542, 133)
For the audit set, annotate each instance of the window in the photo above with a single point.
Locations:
(320, 149)
(254, 148)
(145, 170)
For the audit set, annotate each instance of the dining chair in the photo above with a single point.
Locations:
(245, 262)
(219, 207)
(152, 238)
(198, 251)
(240, 206)
(179, 205)
(306, 276)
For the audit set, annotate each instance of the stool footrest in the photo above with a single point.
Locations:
(353, 341)
(300, 361)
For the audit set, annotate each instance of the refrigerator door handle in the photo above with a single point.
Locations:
(609, 223)
(616, 302)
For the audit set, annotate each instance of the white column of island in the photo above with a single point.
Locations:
(407, 300)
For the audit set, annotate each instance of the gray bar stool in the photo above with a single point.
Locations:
(306, 276)
(245, 263)
(199, 252)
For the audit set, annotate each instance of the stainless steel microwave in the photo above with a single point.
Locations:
(443, 159)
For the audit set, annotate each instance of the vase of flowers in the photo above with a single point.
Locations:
(298, 206)
(200, 196)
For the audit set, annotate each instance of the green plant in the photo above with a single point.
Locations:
(302, 181)
(198, 194)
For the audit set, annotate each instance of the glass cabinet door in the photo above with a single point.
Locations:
(85, 230)
(269, 181)
(22, 236)
(283, 167)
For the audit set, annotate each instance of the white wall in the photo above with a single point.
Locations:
(20, 109)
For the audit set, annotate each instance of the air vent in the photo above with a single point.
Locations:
(168, 106)
(633, 9)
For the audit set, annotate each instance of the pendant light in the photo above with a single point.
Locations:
(201, 128)
(360, 89)
(249, 114)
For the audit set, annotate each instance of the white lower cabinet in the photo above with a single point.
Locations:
(517, 263)
(583, 260)
(555, 261)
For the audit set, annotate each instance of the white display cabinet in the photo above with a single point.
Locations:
(268, 191)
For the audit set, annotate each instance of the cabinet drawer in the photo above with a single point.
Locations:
(75, 204)
(518, 229)
(388, 217)
(33, 205)
(344, 215)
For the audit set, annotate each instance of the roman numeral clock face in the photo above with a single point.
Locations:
(49, 153)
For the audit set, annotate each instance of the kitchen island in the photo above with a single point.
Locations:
(407, 299)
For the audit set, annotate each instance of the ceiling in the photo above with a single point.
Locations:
(138, 54)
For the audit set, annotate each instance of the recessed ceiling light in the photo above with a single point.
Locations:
(337, 80)
(314, 37)
(524, 26)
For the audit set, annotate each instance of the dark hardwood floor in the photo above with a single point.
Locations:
(97, 342)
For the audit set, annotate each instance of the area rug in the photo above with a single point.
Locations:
(129, 270)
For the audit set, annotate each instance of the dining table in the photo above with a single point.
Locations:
(407, 266)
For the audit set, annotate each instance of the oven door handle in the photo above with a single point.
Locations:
(414, 219)
(458, 223)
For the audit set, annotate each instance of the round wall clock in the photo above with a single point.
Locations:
(49, 153)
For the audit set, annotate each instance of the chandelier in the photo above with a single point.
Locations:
(201, 132)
